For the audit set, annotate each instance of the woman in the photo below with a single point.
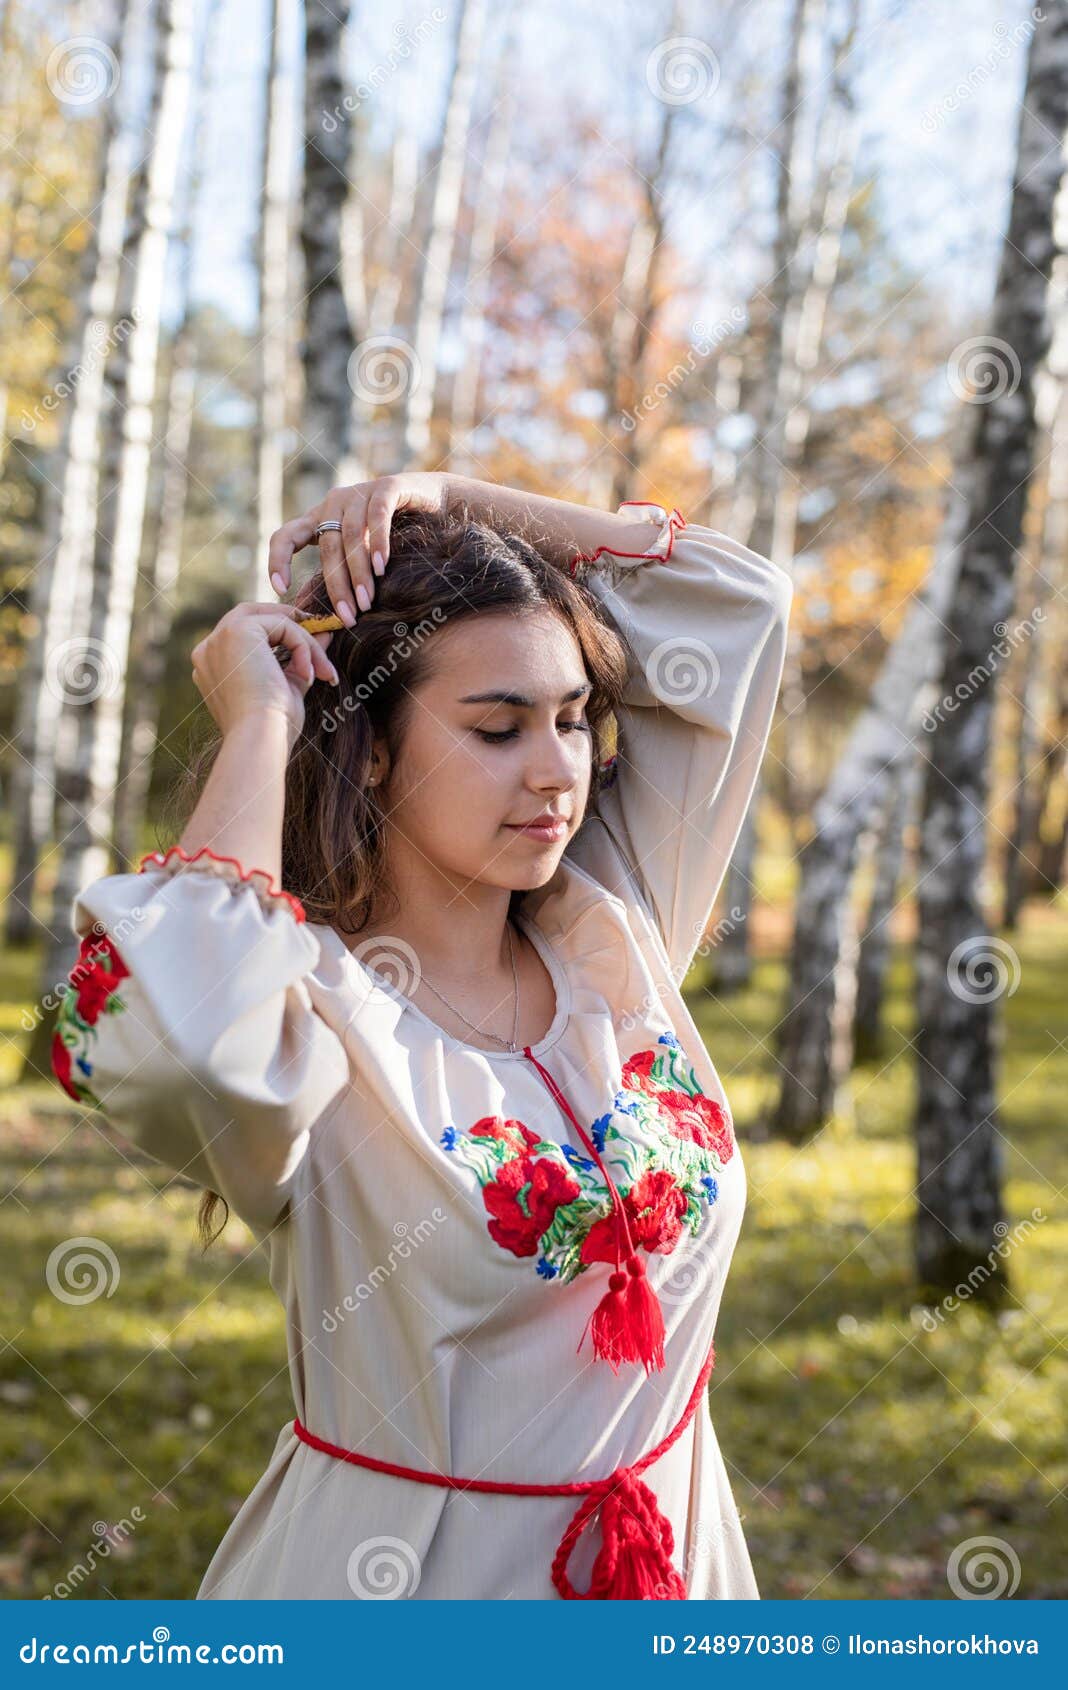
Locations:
(406, 996)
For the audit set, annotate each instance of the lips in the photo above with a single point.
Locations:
(542, 827)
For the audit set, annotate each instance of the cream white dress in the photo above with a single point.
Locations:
(433, 1224)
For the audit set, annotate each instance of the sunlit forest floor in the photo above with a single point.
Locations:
(862, 1448)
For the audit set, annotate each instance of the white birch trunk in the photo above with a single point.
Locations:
(87, 779)
(961, 970)
(272, 266)
(328, 338)
(463, 416)
(733, 963)
(59, 596)
(161, 568)
(885, 735)
(434, 272)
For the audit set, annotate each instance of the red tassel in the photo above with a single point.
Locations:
(633, 1563)
(628, 1324)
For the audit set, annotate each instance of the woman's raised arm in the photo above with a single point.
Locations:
(188, 1017)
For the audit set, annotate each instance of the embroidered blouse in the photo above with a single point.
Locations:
(436, 1229)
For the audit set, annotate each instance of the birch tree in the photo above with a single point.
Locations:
(87, 776)
(797, 316)
(272, 271)
(814, 1046)
(436, 265)
(874, 950)
(58, 596)
(489, 199)
(328, 335)
(377, 303)
(162, 562)
(1022, 869)
(962, 970)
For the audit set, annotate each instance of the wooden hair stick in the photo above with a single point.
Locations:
(321, 624)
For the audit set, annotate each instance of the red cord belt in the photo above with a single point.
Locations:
(634, 1561)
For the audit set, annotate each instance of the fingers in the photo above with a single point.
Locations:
(308, 657)
(352, 556)
(344, 504)
(357, 561)
(291, 537)
(380, 508)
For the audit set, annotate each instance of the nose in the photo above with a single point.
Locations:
(553, 765)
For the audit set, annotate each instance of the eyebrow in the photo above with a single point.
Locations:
(520, 699)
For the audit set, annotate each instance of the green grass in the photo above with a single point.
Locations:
(862, 1449)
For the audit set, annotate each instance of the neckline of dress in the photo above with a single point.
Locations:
(545, 949)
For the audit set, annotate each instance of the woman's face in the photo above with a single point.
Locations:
(474, 768)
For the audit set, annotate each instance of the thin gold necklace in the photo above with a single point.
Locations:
(515, 982)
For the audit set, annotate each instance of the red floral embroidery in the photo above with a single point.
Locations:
(98, 980)
(655, 1207)
(699, 1119)
(61, 1066)
(523, 1200)
(511, 1133)
(696, 1118)
(666, 1140)
(91, 992)
(637, 1069)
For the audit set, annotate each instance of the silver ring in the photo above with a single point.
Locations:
(328, 528)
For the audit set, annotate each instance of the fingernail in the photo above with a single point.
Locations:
(346, 612)
(336, 676)
(378, 563)
(277, 583)
(363, 597)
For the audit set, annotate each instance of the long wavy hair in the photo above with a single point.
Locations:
(442, 568)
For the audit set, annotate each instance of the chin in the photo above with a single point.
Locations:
(543, 869)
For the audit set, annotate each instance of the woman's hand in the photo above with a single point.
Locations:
(237, 672)
(352, 558)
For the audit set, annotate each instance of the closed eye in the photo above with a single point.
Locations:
(512, 733)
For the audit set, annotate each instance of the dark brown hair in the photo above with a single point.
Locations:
(441, 569)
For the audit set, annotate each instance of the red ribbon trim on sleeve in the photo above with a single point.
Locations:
(676, 521)
(163, 858)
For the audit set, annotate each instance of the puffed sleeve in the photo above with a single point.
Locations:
(188, 1021)
(706, 621)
